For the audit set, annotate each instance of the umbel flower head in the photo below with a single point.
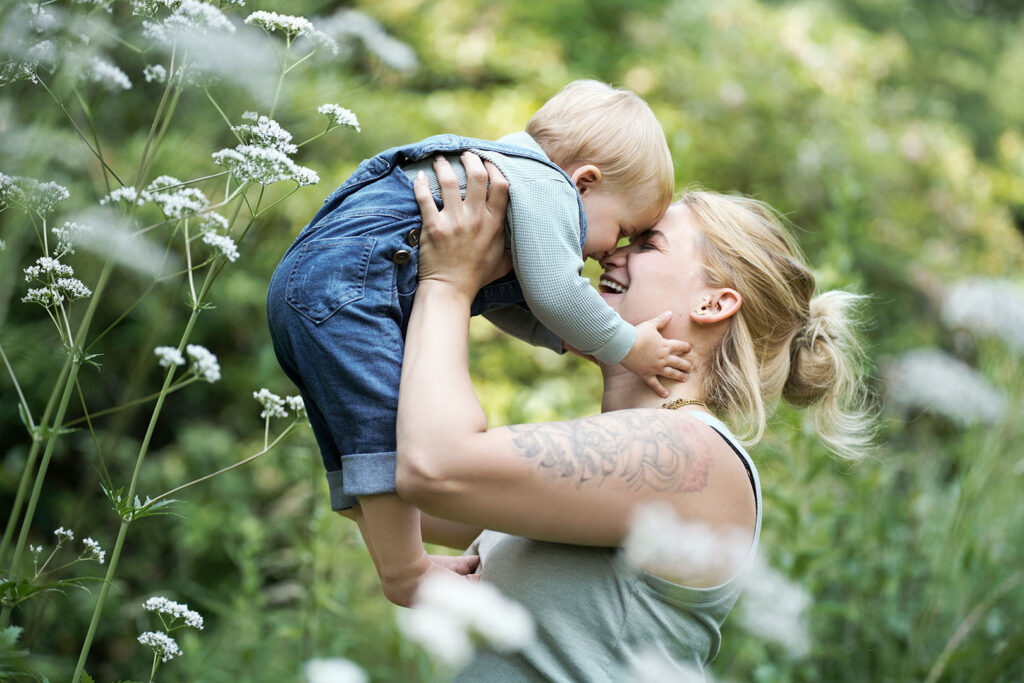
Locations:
(31, 195)
(162, 644)
(176, 610)
(97, 553)
(275, 406)
(292, 26)
(263, 165)
(204, 363)
(339, 116)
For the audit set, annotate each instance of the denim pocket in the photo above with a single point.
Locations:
(329, 274)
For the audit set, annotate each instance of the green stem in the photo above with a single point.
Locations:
(76, 354)
(115, 554)
(17, 387)
(30, 461)
(156, 662)
(266, 448)
(129, 404)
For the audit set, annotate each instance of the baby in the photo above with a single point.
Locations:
(592, 168)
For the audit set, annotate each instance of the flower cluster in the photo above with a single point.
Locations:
(169, 356)
(67, 236)
(276, 406)
(162, 644)
(263, 165)
(338, 116)
(449, 612)
(350, 26)
(176, 610)
(63, 534)
(127, 194)
(264, 132)
(98, 553)
(663, 543)
(333, 670)
(58, 283)
(190, 18)
(224, 244)
(204, 363)
(936, 382)
(174, 200)
(155, 72)
(292, 27)
(31, 195)
(108, 75)
(35, 549)
(964, 308)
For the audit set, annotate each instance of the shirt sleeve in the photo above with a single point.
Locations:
(543, 220)
(522, 324)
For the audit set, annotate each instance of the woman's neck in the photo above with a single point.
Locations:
(623, 389)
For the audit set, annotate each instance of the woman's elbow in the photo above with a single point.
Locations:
(420, 477)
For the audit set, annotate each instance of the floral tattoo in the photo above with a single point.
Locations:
(641, 447)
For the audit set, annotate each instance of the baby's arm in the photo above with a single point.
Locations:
(546, 255)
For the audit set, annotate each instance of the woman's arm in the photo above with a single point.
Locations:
(573, 482)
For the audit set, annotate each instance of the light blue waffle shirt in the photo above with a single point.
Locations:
(542, 231)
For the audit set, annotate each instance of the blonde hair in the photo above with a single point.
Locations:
(784, 340)
(589, 122)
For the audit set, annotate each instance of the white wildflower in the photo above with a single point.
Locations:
(31, 195)
(264, 132)
(211, 220)
(177, 610)
(50, 267)
(222, 243)
(273, 405)
(333, 670)
(338, 116)
(442, 636)
(35, 549)
(44, 296)
(204, 363)
(448, 612)
(108, 75)
(72, 287)
(773, 607)
(43, 53)
(162, 644)
(653, 665)
(352, 25)
(295, 404)
(965, 308)
(155, 72)
(190, 18)
(174, 200)
(63, 534)
(67, 236)
(126, 194)
(661, 542)
(169, 356)
(936, 382)
(98, 553)
(291, 26)
(149, 8)
(263, 165)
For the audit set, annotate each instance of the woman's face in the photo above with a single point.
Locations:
(660, 270)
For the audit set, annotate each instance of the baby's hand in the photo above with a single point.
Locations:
(652, 355)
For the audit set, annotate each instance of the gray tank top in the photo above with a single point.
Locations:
(595, 613)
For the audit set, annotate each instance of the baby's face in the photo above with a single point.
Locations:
(610, 217)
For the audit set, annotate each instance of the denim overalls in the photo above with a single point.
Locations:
(339, 303)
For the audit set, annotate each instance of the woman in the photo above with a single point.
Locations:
(739, 293)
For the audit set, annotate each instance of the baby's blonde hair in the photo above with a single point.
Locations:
(589, 122)
(785, 340)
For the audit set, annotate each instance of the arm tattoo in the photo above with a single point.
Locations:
(641, 447)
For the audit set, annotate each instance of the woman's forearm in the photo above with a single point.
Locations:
(437, 406)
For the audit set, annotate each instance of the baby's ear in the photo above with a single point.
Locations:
(586, 177)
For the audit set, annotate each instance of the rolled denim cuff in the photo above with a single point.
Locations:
(339, 499)
(368, 473)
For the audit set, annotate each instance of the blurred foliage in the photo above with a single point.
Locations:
(891, 132)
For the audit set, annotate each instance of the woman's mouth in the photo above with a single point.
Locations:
(610, 286)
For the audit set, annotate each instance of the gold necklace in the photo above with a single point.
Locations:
(680, 402)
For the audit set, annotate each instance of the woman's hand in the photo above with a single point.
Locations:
(463, 244)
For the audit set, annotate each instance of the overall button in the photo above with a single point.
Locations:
(413, 238)
(401, 256)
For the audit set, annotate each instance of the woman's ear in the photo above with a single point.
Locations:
(586, 177)
(720, 305)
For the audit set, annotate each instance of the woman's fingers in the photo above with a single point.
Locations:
(449, 183)
(497, 196)
(476, 179)
(421, 186)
